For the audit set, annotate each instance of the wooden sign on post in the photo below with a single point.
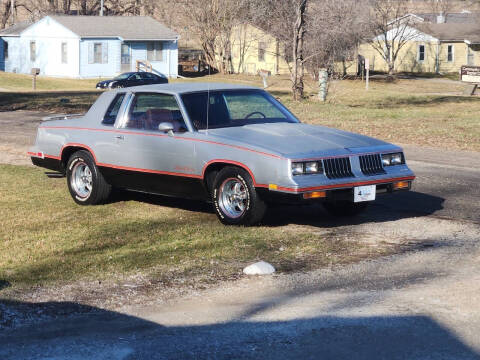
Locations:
(35, 72)
(470, 75)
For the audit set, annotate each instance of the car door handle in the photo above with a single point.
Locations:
(119, 137)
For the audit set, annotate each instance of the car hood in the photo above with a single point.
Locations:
(300, 140)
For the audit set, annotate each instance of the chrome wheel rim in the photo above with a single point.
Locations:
(233, 198)
(81, 179)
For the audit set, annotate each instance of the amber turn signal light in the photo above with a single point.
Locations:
(401, 185)
(314, 195)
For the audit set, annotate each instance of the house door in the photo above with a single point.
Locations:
(126, 58)
(470, 57)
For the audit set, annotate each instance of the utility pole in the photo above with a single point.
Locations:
(12, 9)
(101, 7)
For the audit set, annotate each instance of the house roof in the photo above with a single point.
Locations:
(452, 31)
(126, 27)
(458, 18)
(16, 29)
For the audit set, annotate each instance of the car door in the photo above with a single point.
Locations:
(152, 160)
(134, 80)
(147, 78)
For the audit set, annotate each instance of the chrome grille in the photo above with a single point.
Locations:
(337, 168)
(371, 164)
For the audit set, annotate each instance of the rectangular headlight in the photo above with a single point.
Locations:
(396, 159)
(393, 159)
(297, 168)
(311, 167)
(307, 168)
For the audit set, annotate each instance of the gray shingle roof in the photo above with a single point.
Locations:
(126, 27)
(16, 29)
(452, 31)
(458, 18)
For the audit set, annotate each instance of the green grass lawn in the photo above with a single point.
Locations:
(20, 82)
(46, 238)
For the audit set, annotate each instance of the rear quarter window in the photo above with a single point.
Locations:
(113, 109)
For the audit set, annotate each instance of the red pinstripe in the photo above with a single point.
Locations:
(151, 171)
(281, 188)
(162, 135)
(245, 167)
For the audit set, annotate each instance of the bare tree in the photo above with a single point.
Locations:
(334, 29)
(390, 29)
(286, 21)
(6, 13)
(212, 21)
(441, 6)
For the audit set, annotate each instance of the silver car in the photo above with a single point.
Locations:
(236, 146)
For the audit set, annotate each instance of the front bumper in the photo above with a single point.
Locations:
(335, 192)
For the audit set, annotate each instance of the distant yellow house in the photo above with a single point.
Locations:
(253, 49)
(435, 48)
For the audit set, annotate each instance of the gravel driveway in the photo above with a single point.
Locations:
(421, 304)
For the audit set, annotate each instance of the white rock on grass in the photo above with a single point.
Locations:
(259, 268)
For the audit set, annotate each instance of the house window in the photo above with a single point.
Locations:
(97, 53)
(450, 53)
(33, 51)
(5, 50)
(154, 51)
(421, 52)
(261, 51)
(64, 53)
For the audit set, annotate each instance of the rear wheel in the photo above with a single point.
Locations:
(345, 208)
(85, 182)
(235, 199)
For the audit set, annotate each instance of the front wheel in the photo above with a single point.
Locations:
(235, 198)
(85, 182)
(345, 208)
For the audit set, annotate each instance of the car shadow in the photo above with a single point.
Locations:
(4, 284)
(387, 207)
(94, 333)
(161, 200)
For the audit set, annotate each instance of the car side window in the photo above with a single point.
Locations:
(113, 109)
(149, 110)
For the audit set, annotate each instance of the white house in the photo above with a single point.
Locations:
(88, 46)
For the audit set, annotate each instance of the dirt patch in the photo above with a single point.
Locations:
(19, 129)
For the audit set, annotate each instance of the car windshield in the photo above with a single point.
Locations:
(122, 76)
(230, 108)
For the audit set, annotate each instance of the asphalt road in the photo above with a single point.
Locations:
(421, 304)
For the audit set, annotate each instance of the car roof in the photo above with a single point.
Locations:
(187, 87)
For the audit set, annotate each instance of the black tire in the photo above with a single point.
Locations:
(247, 211)
(345, 208)
(86, 187)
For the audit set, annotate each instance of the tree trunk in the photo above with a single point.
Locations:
(66, 6)
(298, 40)
(83, 7)
(5, 14)
(391, 68)
(209, 51)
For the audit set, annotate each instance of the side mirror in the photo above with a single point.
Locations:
(166, 127)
